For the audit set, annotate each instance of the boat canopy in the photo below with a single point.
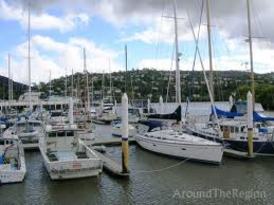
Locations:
(152, 124)
(261, 118)
(176, 115)
(227, 114)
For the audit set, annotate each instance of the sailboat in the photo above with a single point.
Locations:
(233, 124)
(107, 112)
(174, 142)
(27, 129)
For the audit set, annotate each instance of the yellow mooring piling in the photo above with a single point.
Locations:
(250, 123)
(125, 153)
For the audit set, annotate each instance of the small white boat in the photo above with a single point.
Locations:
(28, 131)
(12, 160)
(178, 144)
(117, 132)
(66, 156)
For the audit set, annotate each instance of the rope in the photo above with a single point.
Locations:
(162, 169)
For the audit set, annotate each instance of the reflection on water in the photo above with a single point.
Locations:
(143, 186)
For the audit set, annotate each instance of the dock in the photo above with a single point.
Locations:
(111, 166)
(111, 141)
(237, 154)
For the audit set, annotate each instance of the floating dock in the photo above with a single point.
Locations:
(111, 166)
(237, 154)
(111, 141)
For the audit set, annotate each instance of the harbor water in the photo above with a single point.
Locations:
(154, 179)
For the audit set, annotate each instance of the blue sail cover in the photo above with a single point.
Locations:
(221, 113)
(261, 118)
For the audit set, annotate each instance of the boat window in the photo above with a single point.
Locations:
(236, 129)
(255, 138)
(221, 127)
(61, 134)
(1, 142)
(242, 138)
(232, 129)
(70, 133)
(242, 129)
(52, 134)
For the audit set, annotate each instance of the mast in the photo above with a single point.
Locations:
(87, 80)
(126, 68)
(177, 57)
(250, 51)
(50, 85)
(29, 63)
(103, 82)
(10, 80)
(211, 83)
(66, 83)
(72, 86)
(110, 79)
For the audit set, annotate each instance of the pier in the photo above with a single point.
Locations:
(112, 141)
(111, 166)
(237, 154)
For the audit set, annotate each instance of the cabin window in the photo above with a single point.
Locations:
(1, 142)
(70, 133)
(52, 134)
(255, 138)
(242, 138)
(242, 129)
(232, 129)
(221, 127)
(61, 134)
(236, 129)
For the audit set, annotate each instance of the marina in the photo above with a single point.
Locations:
(112, 124)
(147, 182)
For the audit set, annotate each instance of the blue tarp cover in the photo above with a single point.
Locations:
(261, 118)
(221, 113)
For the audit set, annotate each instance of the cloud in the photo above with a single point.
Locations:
(42, 21)
(48, 55)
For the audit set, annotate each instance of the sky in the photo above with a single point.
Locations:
(60, 29)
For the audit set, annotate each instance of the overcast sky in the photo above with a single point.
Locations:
(60, 29)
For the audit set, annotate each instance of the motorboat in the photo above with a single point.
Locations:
(12, 160)
(28, 131)
(66, 156)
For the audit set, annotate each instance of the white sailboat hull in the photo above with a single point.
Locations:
(203, 153)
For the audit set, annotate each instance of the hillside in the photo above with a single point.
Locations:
(145, 83)
(18, 88)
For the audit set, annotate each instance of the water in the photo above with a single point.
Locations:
(146, 186)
